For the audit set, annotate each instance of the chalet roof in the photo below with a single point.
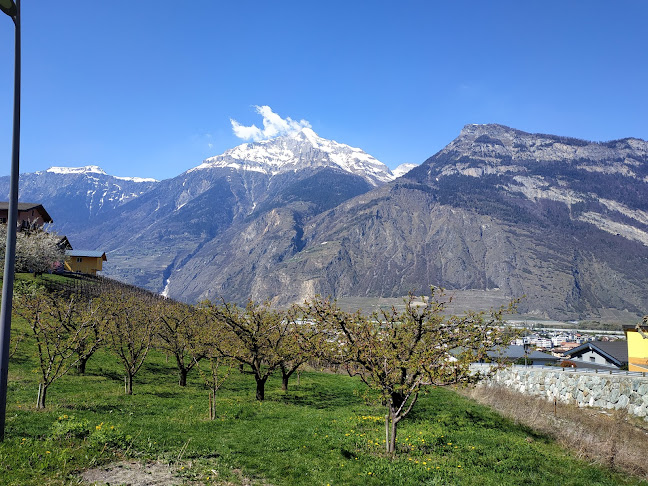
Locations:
(87, 253)
(64, 243)
(615, 351)
(4, 205)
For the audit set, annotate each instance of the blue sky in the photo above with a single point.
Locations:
(148, 88)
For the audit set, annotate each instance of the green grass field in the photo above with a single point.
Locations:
(322, 431)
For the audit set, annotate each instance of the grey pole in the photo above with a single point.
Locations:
(13, 10)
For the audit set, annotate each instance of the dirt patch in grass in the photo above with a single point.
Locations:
(609, 437)
(135, 473)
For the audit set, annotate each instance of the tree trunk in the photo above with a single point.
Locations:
(183, 377)
(212, 404)
(42, 393)
(81, 367)
(392, 439)
(285, 375)
(129, 384)
(260, 389)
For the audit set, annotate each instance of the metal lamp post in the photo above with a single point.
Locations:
(12, 9)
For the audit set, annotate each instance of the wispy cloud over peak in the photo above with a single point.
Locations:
(273, 126)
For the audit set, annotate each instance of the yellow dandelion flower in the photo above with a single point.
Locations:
(47, 452)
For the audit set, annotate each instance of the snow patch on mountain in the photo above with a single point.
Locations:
(300, 150)
(95, 169)
(88, 169)
(136, 179)
(403, 169)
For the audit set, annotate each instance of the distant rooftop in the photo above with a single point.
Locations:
(86, 253)
(4, 206)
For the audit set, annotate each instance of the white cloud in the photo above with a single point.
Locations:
(273, 126)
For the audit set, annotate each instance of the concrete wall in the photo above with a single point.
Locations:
(586, 389)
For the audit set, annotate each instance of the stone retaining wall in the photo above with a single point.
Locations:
(585, 389)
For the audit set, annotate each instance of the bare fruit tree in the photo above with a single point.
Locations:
(129, 327)
(254, 337)
(400, 353)
(59, 328)
(180, 334)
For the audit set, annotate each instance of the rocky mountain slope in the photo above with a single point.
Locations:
(76, 196)
(150, 238)
(563, 222)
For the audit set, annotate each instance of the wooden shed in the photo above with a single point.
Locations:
(84, 261)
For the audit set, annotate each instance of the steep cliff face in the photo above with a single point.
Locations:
(561, 221)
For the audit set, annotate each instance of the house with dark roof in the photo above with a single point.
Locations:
(521, 355)
(514, 354)
(30, 215)
(600, 354)
(84, 261)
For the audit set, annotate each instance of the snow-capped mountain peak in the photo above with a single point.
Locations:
(94, 170)
(300, 150)
(88, 169)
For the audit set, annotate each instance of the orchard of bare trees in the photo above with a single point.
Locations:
(397, 353)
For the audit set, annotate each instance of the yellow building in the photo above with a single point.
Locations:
(637, 337)
(84, 261)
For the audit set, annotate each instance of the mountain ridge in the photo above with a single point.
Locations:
(560, 220)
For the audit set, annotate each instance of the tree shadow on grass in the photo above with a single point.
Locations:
(454, 412)
(317, 397)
